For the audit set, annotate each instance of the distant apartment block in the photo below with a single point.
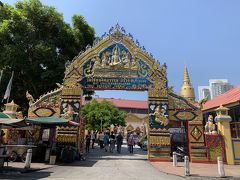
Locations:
(204, 91)
(216, 87)
(219, 86)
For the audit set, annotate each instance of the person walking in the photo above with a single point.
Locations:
(112, 142)
(100, 138)
(119, 142)
(88, 142)
(131, 143)
(93, 137)
(106, 141)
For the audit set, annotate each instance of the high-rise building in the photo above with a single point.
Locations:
(219, 86)
(203, 92)
(215, 88)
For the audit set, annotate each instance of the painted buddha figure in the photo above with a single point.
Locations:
(115, 56)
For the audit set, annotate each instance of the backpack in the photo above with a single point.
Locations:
(130, 141)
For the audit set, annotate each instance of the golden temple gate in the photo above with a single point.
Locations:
(117, 62)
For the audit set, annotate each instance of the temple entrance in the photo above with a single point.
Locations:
(118, 62)
(135, 106)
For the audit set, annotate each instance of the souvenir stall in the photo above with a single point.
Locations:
(38, 134)
(14, 142)
(48, 146)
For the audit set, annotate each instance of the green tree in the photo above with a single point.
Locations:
(35, 43)
(100, 115)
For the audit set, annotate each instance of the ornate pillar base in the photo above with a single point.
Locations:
(159, 145)
(197, 148)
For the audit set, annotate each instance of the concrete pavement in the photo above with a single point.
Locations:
(101, 165)
(198, 169)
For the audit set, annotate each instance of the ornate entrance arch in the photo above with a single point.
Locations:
(117, 62)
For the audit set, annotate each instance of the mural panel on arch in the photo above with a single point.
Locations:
(115, 67)
(158, 112)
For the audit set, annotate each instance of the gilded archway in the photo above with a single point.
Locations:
(117, 61)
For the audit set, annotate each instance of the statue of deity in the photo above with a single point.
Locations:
(143, 129)
(210, 127)
(126, 60)
(96, 64)
(134, 65)
(104, 60)
(68, 113)
(115, 56)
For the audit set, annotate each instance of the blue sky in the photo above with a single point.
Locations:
(204, 35)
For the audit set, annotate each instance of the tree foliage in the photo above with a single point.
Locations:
(35, 43)
(103, 114)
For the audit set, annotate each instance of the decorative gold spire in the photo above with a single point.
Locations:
(11, 109)
(187, 90)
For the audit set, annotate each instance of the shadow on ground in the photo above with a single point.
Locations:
(34, 176)
(92, 158)
(97, 154)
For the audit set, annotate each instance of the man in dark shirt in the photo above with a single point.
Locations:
(88, 142)
(112, 142)
(119, 142)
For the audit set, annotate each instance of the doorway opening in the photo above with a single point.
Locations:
(179, 139)
(135, 105)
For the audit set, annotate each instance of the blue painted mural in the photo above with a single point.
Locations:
(158, 112)
(115, 67)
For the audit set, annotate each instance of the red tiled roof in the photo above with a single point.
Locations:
(228, 97)
(124, 103)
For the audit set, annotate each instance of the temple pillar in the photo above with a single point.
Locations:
(159, 147)
(223, 122)
(70, 109)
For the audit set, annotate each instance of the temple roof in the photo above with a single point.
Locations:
(124, 103)
(228, 98)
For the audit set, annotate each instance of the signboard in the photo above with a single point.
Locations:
(115, 83)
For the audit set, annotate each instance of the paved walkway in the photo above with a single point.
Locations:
(18, 168)
(198, 169)
(101, 165)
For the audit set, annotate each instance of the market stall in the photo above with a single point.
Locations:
(52, 138)
(41, 134)
(12, 153)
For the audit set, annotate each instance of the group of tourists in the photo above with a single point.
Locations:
(107, 141)
(110, 140)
